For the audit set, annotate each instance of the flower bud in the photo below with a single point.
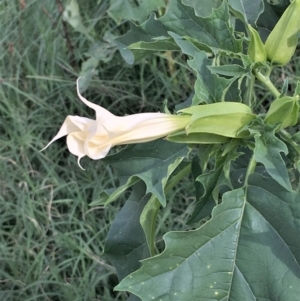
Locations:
(256, 49)
(283, 110)
(283, 39)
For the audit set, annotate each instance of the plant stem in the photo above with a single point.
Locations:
(250, 93)
(266, 81)
(250, 169)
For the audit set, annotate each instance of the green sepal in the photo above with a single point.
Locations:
(196, 138)
(223, 119)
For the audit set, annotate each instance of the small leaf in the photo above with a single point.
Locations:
(267, 151)
(148, 221)
(126, 243)
(228, 70)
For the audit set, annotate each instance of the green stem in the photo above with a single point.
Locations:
(251, 169)
(266, 81)
(250, 91)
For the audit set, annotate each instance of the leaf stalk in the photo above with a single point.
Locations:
(267, 82)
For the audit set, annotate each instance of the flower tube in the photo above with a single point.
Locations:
(94, 138)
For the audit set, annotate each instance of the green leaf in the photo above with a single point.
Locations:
(71, 15)
(148, 217)
(88, 70)
(267, 151)
(148, 222)
(126, 243)
(133, 298)
(199, 192)
(267, 20)
(203, 8)
(100, 51)
(209, 88)
(228, 70)
(212, 33)
(239, 167)
(249, 250)
(164, 44)
(209, 182)
(152, 162)
(247, 10)
(136, 10)
(297, 90)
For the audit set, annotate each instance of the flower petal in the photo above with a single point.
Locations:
(70, 125)
(102, 115)
(155, 126)
(75, 143)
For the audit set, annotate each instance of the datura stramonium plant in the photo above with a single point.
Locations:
(94, 138)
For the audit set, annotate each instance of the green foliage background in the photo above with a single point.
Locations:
(51, 239)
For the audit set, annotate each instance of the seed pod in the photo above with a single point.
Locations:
(256, 49)
(283, 39)
(214, 123)
(283, 110)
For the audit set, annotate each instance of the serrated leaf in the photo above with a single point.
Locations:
(267, 20)
(148, 217)
(248, 10)
(209, 182)
(214, 32)
(268, 149)
(151, 162)
(245, 252)
(126, 243)
(239, 167)
(203, 8)
(209, 88)
(199, 191)
(135, 10)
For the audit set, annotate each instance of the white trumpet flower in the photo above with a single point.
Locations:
(94, 138)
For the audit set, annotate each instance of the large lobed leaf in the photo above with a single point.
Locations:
(249, 250)
(247, 10)
(212, 33)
